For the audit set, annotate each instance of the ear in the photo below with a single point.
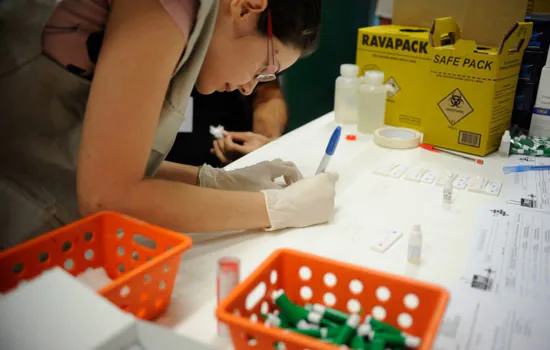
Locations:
(246, 9)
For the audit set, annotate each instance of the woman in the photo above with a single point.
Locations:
(93, 93)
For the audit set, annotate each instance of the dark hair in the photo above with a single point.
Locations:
(295, 23)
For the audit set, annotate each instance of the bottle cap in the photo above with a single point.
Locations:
(349, 70)
(373, 77)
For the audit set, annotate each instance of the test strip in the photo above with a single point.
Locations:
(493, 188)
(415, 174)
(385, 170)
(442, 177)
(387, 239)
(398, 171)
(429, 177)
(461, 181)
(477, 184)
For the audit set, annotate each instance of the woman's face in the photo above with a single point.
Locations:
(237, 51)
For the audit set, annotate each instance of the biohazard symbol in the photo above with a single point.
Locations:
(456, 100)
(455, 107)
(394, 87)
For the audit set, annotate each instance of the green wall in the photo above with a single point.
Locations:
(309, 84)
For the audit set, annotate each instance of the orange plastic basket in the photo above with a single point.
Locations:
(311, 279)
(141, 259)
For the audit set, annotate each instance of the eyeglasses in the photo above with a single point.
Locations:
(268, 73)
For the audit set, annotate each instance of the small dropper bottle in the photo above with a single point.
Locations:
(415, 245)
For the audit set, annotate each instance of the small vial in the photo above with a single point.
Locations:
(505, 144)
(415, 245)
(448, 191)
(228, 278)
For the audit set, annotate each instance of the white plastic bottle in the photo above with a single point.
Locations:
(345, 96)
(372, 102)
(505, 144)
(414, 255)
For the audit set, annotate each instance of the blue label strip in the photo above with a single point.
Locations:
(541, 111)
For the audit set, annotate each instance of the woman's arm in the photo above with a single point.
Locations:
(269, 121)
(141, 49)
(270, 110)
(187, 174)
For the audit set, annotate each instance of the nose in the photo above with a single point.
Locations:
(248, 88)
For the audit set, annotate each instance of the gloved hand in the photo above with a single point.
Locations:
(254, 178)
(304, 203)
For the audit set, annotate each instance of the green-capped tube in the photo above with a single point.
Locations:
(378, 344)
(365, 330)
(381, 326)
(543, 152)
(329, 314)
(519, 151)
(280, 315)
(359, 343)
(526, 142)
(292, 312)
(321, 333)
(303, 324)
(348, 330)
(274, 321)
(317, 318)
(398, 340)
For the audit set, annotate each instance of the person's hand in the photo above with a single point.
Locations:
(254, 178)
(236, 144)
(304, 203)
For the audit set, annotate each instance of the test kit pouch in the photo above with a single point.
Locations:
(486, 22)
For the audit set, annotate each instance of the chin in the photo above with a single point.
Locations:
(204, 90)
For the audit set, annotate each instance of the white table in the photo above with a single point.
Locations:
(367, 204)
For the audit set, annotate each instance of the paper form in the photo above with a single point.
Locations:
(529, 189)
(479, 321)
(510, 253)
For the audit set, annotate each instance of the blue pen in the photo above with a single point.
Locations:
(331, 148)
(524, 168)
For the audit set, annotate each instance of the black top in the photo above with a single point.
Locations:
(230, 109)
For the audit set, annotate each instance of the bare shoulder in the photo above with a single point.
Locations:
(147, 18)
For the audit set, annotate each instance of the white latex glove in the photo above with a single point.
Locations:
(304, 203)
(254, 178)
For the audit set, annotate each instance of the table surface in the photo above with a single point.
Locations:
(366, 205)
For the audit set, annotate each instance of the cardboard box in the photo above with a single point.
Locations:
(486, 22)
(531, 66)
(471, 88)
(403, 54)
(55, 311)
(538, 6)
(540, 40)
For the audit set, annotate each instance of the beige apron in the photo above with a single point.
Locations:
(41, 111)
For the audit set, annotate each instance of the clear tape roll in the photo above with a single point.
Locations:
(397, 138)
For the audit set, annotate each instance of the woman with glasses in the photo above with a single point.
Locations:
(93, 93)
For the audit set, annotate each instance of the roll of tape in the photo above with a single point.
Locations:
(397, 138)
